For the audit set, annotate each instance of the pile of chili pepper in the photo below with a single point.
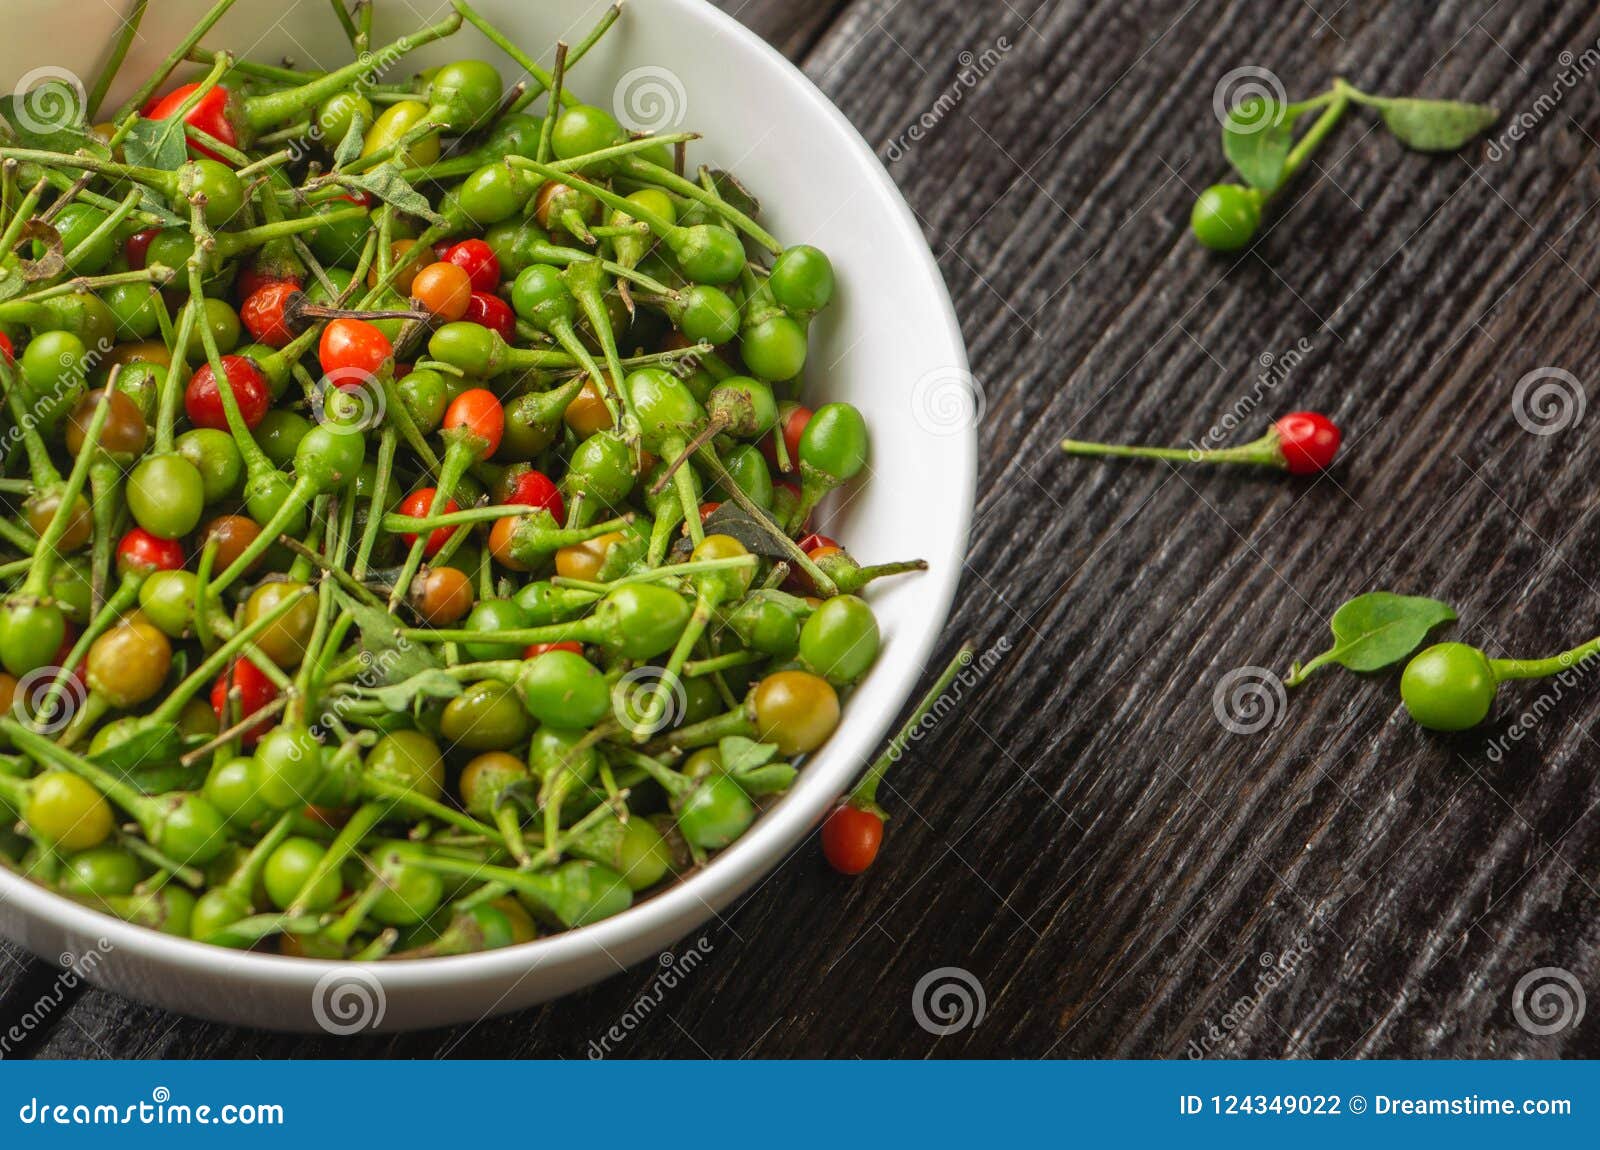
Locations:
(409, 543)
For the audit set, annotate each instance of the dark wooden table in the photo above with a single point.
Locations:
(1121, 873)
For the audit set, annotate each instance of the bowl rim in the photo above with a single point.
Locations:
(734, 871)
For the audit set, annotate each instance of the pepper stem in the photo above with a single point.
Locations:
(36, 745)
(647, 173)
(820, 579)
(527, 63)
(299, 495)
(119, 52)
(172, 706)
(1263, 452)
(1308, 143)
(458, 456)
(124, 597)
(45, 555)
(272, 108)
(350, 835)
(158, 77)
(1505, 669)
(865, 795)
(43, 472)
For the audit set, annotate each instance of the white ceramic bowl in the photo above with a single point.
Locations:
(890, 344)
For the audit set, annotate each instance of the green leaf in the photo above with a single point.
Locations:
(627, 555)
(151, 747)
(350, 147)
(1372, 631)
(750, 764)
(156, 144)
(150, 202)
(394, 658)
(740, 754)
(386, 182)
(434, 683)
(734, 193)
(50, 116)
(1257, 138)
(159, 779)
(772, 779)
(1435, 125)
(732, 520)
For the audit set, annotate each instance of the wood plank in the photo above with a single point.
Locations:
(791, 28)
(1108, 860)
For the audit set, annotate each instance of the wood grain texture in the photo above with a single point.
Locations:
(1113, 865)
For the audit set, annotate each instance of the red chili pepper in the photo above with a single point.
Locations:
(210, 115)
(140, 550)
(534, 489)
(252, 279)
(419, 505)
(793, 421)
(1308, 441)
(352, 346)
(1301, 443)
(535, 649)
(262, 313)
(816, 548)
(202, 399)
(853, 831)
(811, 542)
(492, 312)
(706, 510)
(256, 691)
(851, 838)
(136, 248)
(478, 260)
(478, 411)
